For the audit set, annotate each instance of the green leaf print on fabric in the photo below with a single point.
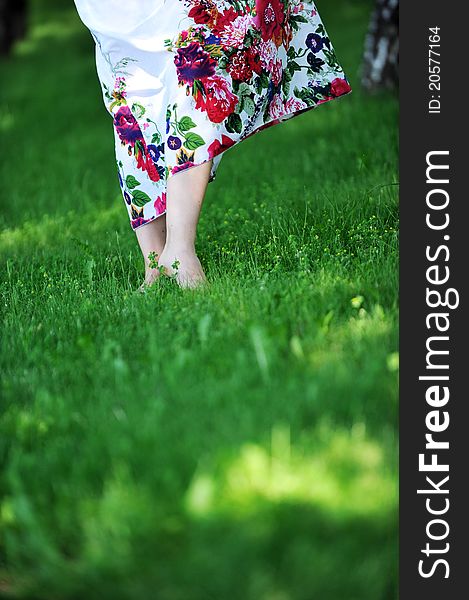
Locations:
(186, 123)
(193, 141)
(138, 109)
(248, 105)
(234, 123)
(140, 198)
(131, 182)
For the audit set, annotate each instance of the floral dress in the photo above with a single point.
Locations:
(185, 80)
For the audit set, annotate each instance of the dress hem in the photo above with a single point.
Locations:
(283, 118)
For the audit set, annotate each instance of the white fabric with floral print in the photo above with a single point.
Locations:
(185, 80)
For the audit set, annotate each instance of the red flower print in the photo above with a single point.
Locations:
(254, 59)
(339, 87)
(126, 126)
(269, 20)
(182, 167)
(202, 13)
(287, 29)
(160, 204)
(276, 71)
(238, 68)
(276, 108)
(218, 147)
(243, 63)
(140, 156)
(151, 169)
(134, 223)
(223, 20)
(193, 62)
(294, 104)
(234, 33)
(218, 100)
(145, 161)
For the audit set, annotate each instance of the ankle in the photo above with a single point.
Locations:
(178, 251)
(151, 260)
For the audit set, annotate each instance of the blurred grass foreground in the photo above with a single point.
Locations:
(232, 443)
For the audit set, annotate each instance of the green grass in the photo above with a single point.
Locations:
(233, 443)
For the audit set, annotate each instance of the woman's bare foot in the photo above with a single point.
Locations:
(184, 266)
(152, 239)
(186, 191)
(151, 275)
(152, 272)
(173, 235)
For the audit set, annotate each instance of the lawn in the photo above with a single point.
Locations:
(233, 443)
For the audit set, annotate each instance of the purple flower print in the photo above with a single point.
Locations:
(174, 142)
(127, 126)
(314, 42)
(154, 152)
(193, 62)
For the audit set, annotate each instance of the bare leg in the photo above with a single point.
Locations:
(151, 238)
(186, 192)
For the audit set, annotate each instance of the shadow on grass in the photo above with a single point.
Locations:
(278, 522)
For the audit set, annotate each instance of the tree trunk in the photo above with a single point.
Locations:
(13, 15)
(380, 67)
